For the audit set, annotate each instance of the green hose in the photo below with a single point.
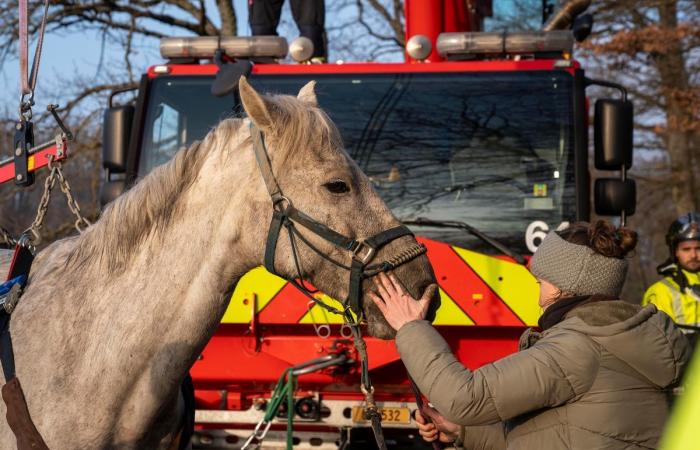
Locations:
(284, 390)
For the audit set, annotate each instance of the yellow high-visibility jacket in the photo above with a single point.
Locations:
(682, 307)
(681, 431)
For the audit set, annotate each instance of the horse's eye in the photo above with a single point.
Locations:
(337, 187)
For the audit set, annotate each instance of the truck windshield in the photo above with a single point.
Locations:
(492, 149)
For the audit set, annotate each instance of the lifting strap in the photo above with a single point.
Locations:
(28, 81)
(24, 129)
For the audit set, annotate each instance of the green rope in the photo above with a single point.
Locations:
(284, 391)
(276, 398)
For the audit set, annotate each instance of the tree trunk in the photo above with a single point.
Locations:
(681, 143)
(228, 17)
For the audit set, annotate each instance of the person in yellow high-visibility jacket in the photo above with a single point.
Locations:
(681, 431)
(678, 293)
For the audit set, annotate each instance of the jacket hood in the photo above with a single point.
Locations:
(644, 338)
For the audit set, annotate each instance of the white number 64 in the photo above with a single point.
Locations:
(537, 231)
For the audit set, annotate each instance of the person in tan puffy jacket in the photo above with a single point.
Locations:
(597, 376)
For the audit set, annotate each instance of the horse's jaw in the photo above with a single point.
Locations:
(377, 326)
(380, 329)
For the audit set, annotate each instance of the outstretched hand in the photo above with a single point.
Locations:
(396, 304)
(440, 428)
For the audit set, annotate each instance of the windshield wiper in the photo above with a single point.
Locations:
(423, 222)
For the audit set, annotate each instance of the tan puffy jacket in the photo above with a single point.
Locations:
(599, 379)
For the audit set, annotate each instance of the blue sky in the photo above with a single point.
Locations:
(68, 56)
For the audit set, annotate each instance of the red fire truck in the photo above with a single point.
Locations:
(478, 141)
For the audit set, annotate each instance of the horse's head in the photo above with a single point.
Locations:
(318, 177)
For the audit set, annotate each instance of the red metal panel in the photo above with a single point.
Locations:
(230, 373)
(38, 160)
(288, 306)
(465, 287)
(425, 17)
(448, 66)
(367, 68)
(457, 18)
(185, 69)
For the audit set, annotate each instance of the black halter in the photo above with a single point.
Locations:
(363, 250)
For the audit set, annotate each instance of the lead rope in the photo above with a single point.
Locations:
(419, 403)
(371, 411)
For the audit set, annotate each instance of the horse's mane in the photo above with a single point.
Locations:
(150, 205)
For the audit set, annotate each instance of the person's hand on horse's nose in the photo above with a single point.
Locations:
(396, 304)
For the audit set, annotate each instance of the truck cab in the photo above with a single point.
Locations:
(480, 153)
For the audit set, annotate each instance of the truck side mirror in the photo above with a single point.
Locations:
(613, 126)
(116, 133)
(614, 196)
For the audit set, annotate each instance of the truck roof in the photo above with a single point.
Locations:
(376, 68)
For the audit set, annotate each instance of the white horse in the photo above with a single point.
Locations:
(112, 320)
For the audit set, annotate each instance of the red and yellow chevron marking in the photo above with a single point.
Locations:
(475, 289)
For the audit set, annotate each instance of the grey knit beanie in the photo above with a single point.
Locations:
(577, 269)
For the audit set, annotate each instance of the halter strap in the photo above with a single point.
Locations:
(272, 237)
(264, 164)
(379, 240)
(363, 251)
(320, 229)
(357, 268)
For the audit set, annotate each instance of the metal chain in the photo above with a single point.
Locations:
(81, 223)
(33, 233)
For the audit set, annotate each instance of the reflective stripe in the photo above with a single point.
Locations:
(512, 282)
(449, 313)
(676, 302)
(475, 289)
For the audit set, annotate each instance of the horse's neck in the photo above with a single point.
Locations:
(187, 276)
(159, 309)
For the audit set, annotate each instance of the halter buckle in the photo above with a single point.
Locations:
(363, 252)
(280, 203)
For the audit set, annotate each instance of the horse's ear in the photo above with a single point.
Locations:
(255, 105)
(307, 94)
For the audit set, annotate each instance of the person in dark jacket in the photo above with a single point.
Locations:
(596, 377)
(309, 15)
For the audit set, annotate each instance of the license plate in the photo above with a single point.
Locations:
(389, 415)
